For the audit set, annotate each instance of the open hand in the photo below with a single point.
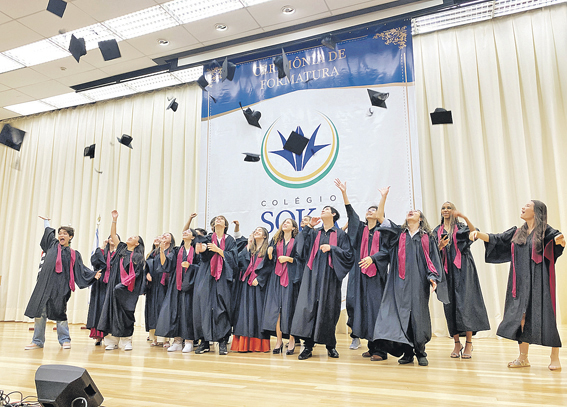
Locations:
(340, 185)
(384, 191)
(365, 263)
(443, 242)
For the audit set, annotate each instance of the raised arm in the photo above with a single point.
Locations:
(458, 214)
(382, 203)
(188, 224)
(342, 186)
(113, 234)
(475, 234)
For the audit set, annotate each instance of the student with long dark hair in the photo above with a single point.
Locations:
(529, 310)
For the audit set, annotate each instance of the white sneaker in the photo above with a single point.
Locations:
(188, 347)
(128, 346)
(355, 344)
(32, 346)
(111, 347)
(175, 347)
(66, 345)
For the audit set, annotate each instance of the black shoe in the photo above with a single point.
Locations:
(222, 348)
(196, 343)
(305, 354)
(422, 360)
(279, 350)
(203, 347)
(333, 353)
(404, 360)
(290, 351)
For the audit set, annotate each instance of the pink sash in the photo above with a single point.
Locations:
(457, 260)
(59, 266)
(281, 268)
(402, 254)
(315, 248)
(251, 270)
(370, 271)
(109, 256)
(217, 261)
(179, 270)
(128, 278)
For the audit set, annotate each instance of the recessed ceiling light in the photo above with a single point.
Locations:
(221, 27)
(288, 10)
(163, 42)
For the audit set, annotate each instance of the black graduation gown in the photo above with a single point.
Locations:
(365, 292)
(249, 314)
(318, 306)
(155, 291)
(52, 289)
(466, 310)
(535, 288)
(176, 315)
(212, 298)
(279, 299)
(117, 316)
(403, 318)
(98, 289)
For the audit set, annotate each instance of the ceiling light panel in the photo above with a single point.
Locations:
(248, 3)
(109, 92)
(154, 82)
(37, 53)
(92, 35)
(141, 22)
(193, 10)
(8, 64)
(68, 100)
(505, 7)
(37, 106)
(189, 75)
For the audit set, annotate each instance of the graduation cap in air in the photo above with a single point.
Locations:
(202, 82)
(251, 157)
(252, 116)
(77, 47)
(126, 140)
(109, 49)
(173, 105)
(89, 151)
(329, 41)
(378, 99)
(57, 7)
(228, 70)
(281, 62)
(441, 116)
(12, 137)
(296, 143)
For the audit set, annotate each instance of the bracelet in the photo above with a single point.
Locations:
(113, 221)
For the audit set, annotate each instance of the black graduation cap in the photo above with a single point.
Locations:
(202, 82)
(441, 116)
(252, 116)
(90, 151)
(251, 157)
(77, 47)
(296, 143)
(12, 137)
(126, 140)
(378, 98)
(281, 62)
(109, 49)
(57, 7)
(228, 70)
(173, 105)
(329, 41)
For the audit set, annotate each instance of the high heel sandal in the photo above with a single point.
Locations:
(278, 350)
(456, 355)
(467, 355)
(520, 363)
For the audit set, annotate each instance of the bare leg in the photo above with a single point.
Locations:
(458, 346)
(522, 360)
(291, 344)
(467, 352)
(555, 363)
(279, 340)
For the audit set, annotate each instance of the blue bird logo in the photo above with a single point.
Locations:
(298, 162)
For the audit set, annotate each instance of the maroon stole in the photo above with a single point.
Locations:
(128, 278)
(251, 270)
(59, 266)
(109, 256)
(457, 261)
(370, 271)
(179, 270)
(217, 261)
(402, 254)
(315, 248)
(281, 268)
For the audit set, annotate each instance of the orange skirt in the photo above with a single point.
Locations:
(246, 344)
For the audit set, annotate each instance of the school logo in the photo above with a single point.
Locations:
(313, 164)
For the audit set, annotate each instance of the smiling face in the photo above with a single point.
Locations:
(188, 235)
(287, 225)
(446, 210)
(219, 221)
(133, 241)
(305, 221)
(166, 238)
(413, 216)
(258, 234)
(372, 213)
(528, 211)
(64, 237)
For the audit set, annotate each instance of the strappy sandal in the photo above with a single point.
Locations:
(456, 355)
(467, 355)
(519, 363)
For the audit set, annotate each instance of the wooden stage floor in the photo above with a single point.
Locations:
(148, 376)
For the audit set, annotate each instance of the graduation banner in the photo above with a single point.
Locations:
(325, 100)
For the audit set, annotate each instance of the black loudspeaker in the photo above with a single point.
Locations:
(60, 385)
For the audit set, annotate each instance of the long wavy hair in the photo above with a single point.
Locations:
(540, 213)
(280, 233)
(423, 224)
(260, 251)
(452, 219)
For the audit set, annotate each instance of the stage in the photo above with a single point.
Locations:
(149, 376)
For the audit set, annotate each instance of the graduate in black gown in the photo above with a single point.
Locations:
(254, 266)
(465, 313)
(61, 272)
(318, 306)
(403, 325)
(212, 296)
(286, 251)
(124, 285)
(100, 260)
(529, 310)
(369, 272)
(175, 319)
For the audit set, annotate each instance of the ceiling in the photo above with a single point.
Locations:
(24, 22)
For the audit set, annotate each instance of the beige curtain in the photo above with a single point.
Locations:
(505, 81)
(153, 186)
